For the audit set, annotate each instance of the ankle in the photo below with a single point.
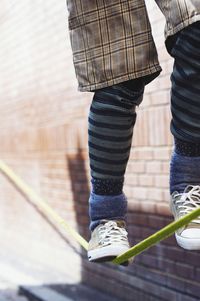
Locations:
(106, 207)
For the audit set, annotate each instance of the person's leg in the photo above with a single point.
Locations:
(108, 62)
(185, 108)
(111, 120)
(185, 127)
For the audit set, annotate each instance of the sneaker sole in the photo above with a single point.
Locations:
(188, 243)
(108, 259)
(105, 253)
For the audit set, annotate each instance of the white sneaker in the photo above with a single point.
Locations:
(188, 237)
(108, 240)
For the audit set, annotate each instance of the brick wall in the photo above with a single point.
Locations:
(43, 134)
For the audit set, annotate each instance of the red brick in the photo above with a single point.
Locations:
(166, 167)
(162, 153)
(141, 153)
(154, 167)
(131, 179)
(163, 209)
(146, 180)
(160, 98)
(154, 194)
(162, 181)
(139, 193)
(136, 166)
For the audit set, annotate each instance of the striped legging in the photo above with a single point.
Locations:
(185, 91)
(111, 121)
(112, 113)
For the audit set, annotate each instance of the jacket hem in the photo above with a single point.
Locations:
(117, 80)
(180, 26)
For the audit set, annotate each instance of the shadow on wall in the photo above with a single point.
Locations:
(80, 189)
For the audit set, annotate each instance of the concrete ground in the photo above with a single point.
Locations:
(9, 291)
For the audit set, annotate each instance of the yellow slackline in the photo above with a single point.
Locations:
(41, 203)
(133, 251)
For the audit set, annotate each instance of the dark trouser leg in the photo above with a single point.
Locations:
(185, 108)
(110, 129)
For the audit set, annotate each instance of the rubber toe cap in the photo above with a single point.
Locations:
(191, 233)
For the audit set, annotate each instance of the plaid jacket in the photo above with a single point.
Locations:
(111, 40)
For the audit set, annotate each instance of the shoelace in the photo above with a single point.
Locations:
(110, 233)
(189, 200)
